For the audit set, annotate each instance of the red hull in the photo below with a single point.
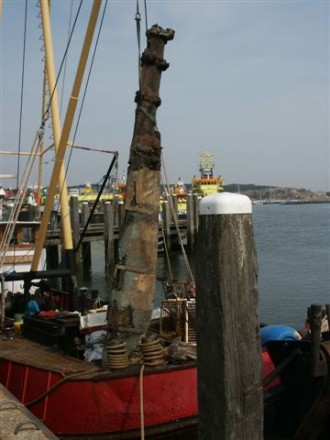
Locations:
(76, 399)
(108, 405)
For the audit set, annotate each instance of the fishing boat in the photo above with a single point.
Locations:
(115, 395)
(125, 381)
(206, 184)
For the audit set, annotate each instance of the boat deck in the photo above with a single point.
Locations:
(21, 350)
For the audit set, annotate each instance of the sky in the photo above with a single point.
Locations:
(248, 82)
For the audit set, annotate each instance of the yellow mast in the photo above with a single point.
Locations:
(66, 132)
(51, 76)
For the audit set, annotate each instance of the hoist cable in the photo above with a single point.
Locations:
(138, 36)
(22, 94)
(45, 116)
(66, 59)
(86, 87)
(146, 14)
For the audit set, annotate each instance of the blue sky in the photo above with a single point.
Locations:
(248, 81)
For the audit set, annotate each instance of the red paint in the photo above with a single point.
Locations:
(107, 406)
(111, 405)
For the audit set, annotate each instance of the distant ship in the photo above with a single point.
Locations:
(206, 184)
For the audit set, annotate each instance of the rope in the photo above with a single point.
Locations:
(22, 95)
(147, 114)
(63, 59)
(188, 268)
(85, 89)
(10, 227)
(138, 36)
(66, 59)
(58, 384)
(141, 402)
(167, 255)
(146, 14)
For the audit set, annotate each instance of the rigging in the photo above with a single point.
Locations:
(22, 92)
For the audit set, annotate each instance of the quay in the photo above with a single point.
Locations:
(17, 422)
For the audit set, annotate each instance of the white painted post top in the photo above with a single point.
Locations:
(225, 203)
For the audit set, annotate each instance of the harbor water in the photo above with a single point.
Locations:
(293, 251)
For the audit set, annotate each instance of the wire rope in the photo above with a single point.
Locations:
(66, 59)
(175, 218)
(22, 93)
(85, 89)
(146, 14)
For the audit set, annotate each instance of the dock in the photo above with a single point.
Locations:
(104, 223)
(17, 422)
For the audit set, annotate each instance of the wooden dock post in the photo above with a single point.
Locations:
(52, 257)
(75, 222)
(109, 243)
(190, 220)
(228, 348)
(121, 213)
(167, 216)
(196, 211)
(86, 246)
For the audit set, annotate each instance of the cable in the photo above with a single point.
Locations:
(138, 36)
(146, 14)
(66, 59)
(175, 218)
(22, 95)
(85, 90)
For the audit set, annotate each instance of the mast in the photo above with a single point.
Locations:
(51, 77)
(132, 296)
(65, 137)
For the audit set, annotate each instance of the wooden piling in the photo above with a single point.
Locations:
(121, 213)
(86, 246)
(190, 221)
(109, 237)
(229, 355)
(84, 213)
(75, 224)
(166, 214)
(52, 257)
(196, 201)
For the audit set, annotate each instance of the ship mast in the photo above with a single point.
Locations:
(55, 114)
(132, 296)
(63, 141)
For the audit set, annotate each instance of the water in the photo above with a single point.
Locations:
(293, 251)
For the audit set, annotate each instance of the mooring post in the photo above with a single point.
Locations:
(166, 211)
(230, 395)
(121, 213)
(196, 211)
(86, 246)
(109, 236)
(84, 213)
(190, 220)
(52, 257)
(315, 320)
(75, 222)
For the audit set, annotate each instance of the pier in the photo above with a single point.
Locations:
(103, 224)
